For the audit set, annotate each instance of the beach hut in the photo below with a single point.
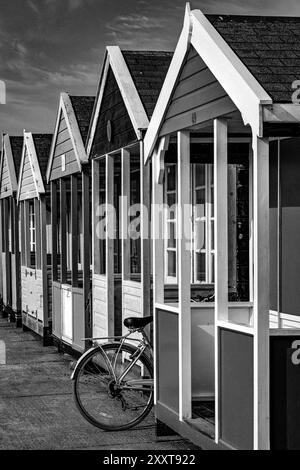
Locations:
(9, 220)
(129, 86)
(33, 198)
(224, 145)
(68, 174)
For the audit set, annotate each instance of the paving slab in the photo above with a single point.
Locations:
(37, 408)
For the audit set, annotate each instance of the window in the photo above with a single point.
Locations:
(202, 223)
(202, 243)
(171, 223)
(32, 234)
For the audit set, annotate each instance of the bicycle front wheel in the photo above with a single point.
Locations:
(104, 402)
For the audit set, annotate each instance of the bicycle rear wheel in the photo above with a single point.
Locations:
(100, 400)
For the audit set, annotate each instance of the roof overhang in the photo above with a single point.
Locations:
(114, 58)
(240, 85)
(28, 145)
(66, 108)
(6, 151)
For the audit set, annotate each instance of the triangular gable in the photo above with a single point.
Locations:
(30, 179)
(8, 178)
(67, 152)
(239, 84)
(116, 79)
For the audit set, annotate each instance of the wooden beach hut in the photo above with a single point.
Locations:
(10, 294)
(129, 86)
(33, 198)
(224, 145)
(69, 176)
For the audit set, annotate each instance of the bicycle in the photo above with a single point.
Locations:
(113, 381)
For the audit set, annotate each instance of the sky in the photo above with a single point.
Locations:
(50, 46)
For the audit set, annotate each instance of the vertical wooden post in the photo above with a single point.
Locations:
(16, 212)
(125, 188)
(95, 209)
(1, 249)
(86, 261)
(145, 242)
(110, 233)
(63, 231)
(74, 230)
(158, 257)
(43, 251)
(250, 224)
(38, 229)
(221, 246)
(184, 276)
(261, 292)
(54, 228)
(23, 237)
(27, 235)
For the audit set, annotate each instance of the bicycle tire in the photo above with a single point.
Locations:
(85, 413)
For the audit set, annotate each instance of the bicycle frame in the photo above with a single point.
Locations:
(143, 345)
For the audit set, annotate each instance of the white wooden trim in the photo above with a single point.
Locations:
(184, 286)
(240, 85)
(34, 164)
(261, 292)
(250, 223)
(168, 85)
(221, 246)
(97, 106)
(158, 264)
(10, 162)
(236, 79)
(249, 330)
(66, 109)
(281, 112)
(145, 227)
(128, 90)
(53, 143)
(109, 272)
(74, 130)
(125, 188)
(162, 148)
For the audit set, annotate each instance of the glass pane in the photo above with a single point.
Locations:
(171, 178)
(212, 235)
(200, 196)
(171, 263)
(171, 199)
(200, 236)
(212, 201)
(172, 239)
(200, 175)
(200, 267)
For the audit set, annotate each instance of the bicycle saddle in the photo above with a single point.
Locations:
(134, 322)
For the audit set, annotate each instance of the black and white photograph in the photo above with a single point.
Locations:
(149, 228)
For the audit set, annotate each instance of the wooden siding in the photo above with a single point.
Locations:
(28, 188)
(132, 301)
(5, 183)
(114, 110)
(63, 146)
(56, 314)
(197, 97)
(32, 292)
(100, 326)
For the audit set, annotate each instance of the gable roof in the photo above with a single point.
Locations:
(10, 160)
(35, 155)
(139, 75)
(269, 46)
(236, 66)
(148, 70)
(83, 108)
(77, 112)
